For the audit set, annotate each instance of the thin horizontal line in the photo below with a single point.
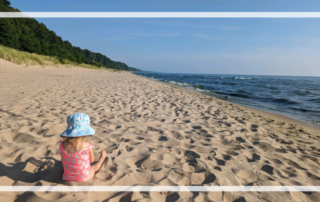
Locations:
(160, 14)
(159, 188)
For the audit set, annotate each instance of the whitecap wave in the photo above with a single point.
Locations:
(196, 87)
(242, 78)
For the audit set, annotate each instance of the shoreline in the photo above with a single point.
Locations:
(257, 109)
(285, 118)
(155, 134)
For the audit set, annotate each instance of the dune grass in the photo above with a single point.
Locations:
(30, 59)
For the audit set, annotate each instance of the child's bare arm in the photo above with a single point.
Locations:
(91, 156)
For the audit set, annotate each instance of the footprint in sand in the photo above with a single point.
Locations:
(254, 128)
(22, 137)
(163, 139)
(268, 169)
(220, 162)
(240, 139)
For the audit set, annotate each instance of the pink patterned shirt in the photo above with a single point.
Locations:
(76, 166)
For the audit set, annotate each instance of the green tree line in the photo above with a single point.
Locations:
(27, 34)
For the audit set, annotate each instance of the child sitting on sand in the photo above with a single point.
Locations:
(76, 153)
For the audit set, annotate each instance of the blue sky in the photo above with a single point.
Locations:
(214, 46)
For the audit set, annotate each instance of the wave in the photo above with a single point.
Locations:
(215, 77)
(222, 77)
(265, 86)
(239, 95)
(298, 92)
(242, 91)
(300, 109)
(243, 94)
(242, 78)
(227, 83)
(285, 101)
(316, 100)
(305, 110)
(316, 123)
(196, 87)
(232, 94)
(212, 77)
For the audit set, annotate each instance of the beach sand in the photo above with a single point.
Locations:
(154, 134)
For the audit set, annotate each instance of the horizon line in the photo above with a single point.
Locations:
(147, 71)
(160, 14)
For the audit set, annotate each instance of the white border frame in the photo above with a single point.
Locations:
(159, 188)
(159, 14)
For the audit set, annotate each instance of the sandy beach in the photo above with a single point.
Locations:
(154, 134)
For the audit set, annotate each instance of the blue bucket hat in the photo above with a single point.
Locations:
(78, 126)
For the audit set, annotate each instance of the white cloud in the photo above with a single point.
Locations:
(205, 36)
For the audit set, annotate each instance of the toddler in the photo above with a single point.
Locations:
(76, 153)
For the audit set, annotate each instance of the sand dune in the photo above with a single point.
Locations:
(154, 134)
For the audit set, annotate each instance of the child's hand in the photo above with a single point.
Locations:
(103, 154)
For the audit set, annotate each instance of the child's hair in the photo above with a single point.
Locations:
(73, 141)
